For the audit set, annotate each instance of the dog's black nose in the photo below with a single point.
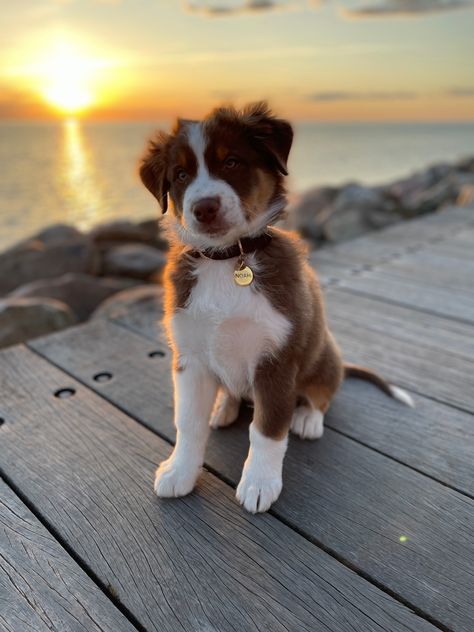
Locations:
(205, 210)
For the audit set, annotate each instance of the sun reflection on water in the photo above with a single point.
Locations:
(80, 182)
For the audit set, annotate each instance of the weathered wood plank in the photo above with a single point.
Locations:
(433, 268)
(353, 500)
(41, 587)
(433, 438)
(424, 352)
(419, 351)
(408, 290)
(199, 563)
(328, 269)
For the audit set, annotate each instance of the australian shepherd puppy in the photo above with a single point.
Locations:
(243, 311)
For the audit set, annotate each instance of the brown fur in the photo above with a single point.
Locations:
(310, 364)
(260, 141)
(309, 367)
(178, 282)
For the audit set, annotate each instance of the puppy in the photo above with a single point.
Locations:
(243, 310)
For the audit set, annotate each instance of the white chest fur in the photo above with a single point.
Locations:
(227, 327)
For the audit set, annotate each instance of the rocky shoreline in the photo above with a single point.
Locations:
(334, 214)
(61, 276)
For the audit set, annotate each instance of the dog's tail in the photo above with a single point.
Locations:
(362, 373)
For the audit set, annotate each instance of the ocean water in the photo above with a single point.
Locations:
(85, 173)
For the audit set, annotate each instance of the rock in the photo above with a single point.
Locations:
(146, 232)
(380, 218)
(444, 192)
(466, 165)
(34, 259)
(58, 233)
(358, 209)
(309, 212)
(430, 199)
(137, 261)
(365, 198)
(405, 189)
(25, 318)
(435, 173)
(344, 226)
(140, 304)
(52, 235)
(461, 178)
(81, 292)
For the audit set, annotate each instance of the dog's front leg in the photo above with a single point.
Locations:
(274, 399)
(194, 394)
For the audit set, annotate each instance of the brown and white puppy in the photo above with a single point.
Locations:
(267, 341)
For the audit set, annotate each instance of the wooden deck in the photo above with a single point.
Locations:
(373, 531)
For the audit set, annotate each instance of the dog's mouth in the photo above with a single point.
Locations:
(216, 229)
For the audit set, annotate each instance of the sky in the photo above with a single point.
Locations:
(328, 60)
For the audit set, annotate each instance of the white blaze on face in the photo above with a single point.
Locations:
(206, 185)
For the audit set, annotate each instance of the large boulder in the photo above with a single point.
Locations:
(81, 292)
(51, 235)
(143, 298)
(138, 261)
(123, 231)
(358, 209)
(466, 165)
(444, 192)
(24, 318)
(37, 259)
(309, 212)
(406, 188)
(428, 200)
(58, 233)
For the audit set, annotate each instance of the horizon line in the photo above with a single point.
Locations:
(86, 120)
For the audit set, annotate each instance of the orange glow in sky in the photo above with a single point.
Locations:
(113, 60)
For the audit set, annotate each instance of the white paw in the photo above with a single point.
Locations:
(175, 479)
(225, 412)
(257, 492)
(307, 423)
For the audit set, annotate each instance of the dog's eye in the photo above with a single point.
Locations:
(181, 175)
(231, 162)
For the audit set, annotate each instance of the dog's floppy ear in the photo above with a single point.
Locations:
(153, 169)
(274, 134)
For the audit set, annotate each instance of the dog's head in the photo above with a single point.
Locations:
(224, 175)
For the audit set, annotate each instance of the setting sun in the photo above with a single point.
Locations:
(68, 74)
(68, 78)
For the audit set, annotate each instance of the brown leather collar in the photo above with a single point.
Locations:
(249, 244)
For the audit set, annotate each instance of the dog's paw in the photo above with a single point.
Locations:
(257, 492)
(225, 412)
(307, 423)
(175, 479)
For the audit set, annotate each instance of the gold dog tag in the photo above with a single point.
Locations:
(243, 275)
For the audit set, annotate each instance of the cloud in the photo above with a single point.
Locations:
(223, 8)
(460, 92)
(341, 95)
(388, 8)
(378, 8)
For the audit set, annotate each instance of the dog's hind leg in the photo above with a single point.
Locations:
(226, 410)
(307, 421)
(316, 394)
